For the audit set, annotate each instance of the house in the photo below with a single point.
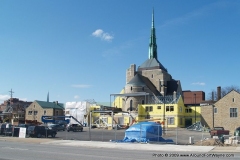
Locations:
(13, 111)
(223, 113)
(37, 109)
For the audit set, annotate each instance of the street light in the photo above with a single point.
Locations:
(195, 108)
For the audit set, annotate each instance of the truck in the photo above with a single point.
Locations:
(218, 131)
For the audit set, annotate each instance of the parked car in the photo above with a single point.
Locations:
(74, 127)
(25, 126)
(40, 131)
(57, 127)
(6, 129)
(237, 132)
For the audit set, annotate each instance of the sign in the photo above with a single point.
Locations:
(22, 132)
(7, 125)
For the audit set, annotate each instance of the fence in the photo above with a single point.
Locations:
(144, 133)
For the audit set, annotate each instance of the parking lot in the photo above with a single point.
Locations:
(179, 136)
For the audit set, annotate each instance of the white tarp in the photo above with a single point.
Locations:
(77, 110)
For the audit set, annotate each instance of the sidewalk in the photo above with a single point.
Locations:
(128, 146)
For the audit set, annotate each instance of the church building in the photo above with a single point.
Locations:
(150, 77)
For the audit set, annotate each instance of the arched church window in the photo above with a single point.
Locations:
(131, 108)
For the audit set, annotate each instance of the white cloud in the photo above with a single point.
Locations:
(81, 86)
(76, 97)
(4, 97)
(103, 35)
(98, 33)
(23, 99)
(199, 83)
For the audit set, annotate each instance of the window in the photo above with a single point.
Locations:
(188, 110)
(167, 109)
(56, 113)
(171, 120)
(44, 112)
(142, 101)
(131, 88)
(147, 117)
(215, 110)
(146, 109)
(150, 108)
(233, 112)
(142, 88)
(158, 107)
(171, 108)
(233, 100)
(67, 112)
(180, 109)
(35, 112)
(131, 105)
(152, 75)
(29, 112)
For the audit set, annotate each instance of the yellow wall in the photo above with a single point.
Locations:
(118, 102)
(175, 114)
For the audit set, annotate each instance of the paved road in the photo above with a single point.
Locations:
(10, 150)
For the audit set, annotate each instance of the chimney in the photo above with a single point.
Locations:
(218, 93)
(212, 96)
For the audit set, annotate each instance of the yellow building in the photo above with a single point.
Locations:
(174, 112)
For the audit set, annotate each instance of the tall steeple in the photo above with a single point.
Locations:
(152, 45)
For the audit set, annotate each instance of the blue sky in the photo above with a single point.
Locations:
(80, 49)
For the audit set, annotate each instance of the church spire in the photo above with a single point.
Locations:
(152, 45)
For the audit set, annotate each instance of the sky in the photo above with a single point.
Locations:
(80, 49)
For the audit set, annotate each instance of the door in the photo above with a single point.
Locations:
(188, 122)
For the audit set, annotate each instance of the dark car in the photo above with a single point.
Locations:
(39, 131)
(74, 127)
(6, 129)
(25, 126)
(57, 127)
(237, 132)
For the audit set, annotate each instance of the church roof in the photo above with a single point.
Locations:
(139, 80)
(152, 64)
(136, 81)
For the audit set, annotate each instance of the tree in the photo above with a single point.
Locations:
(224, 91)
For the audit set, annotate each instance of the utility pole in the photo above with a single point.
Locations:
(11, 93)
(195, 108)
(11, 109)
